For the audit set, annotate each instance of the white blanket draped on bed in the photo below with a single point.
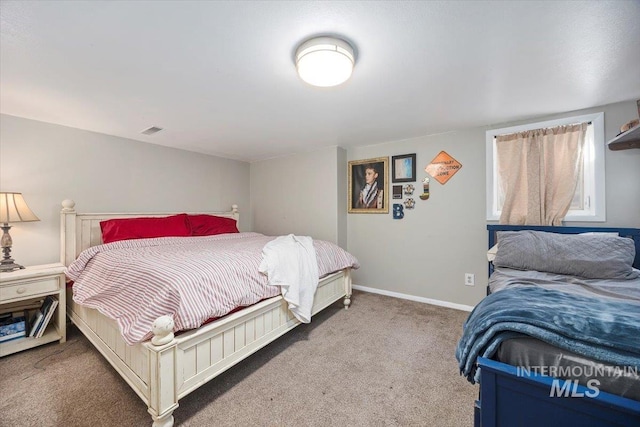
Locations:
(290, 262)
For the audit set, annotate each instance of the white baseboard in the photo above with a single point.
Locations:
(414, 298)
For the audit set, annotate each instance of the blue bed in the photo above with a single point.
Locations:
(509, 398)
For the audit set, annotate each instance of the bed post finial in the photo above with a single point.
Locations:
(162, 330)
(68, 232)
(68, 205)
(234, 209)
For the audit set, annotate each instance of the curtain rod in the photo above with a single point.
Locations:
(570, 124)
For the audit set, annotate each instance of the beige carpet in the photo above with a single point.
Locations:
(383, 362)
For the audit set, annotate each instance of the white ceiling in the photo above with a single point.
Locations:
(219, 76)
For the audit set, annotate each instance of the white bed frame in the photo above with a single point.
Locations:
(167, 368)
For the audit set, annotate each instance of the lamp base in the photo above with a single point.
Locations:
(7, 265)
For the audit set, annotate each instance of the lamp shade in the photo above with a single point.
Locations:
(325, 61)
(13, 208)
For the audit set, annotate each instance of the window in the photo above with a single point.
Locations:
(589, 199)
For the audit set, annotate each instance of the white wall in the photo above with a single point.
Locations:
(427, 253)
(102, 173)
(300, 194)
(341, 184)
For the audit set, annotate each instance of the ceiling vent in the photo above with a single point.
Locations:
(151, 130)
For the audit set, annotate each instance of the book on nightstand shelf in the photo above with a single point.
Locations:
(42, 316)
(12, 327)
(47, 317)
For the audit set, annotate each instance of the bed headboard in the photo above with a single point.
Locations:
(633, 233)
(80, 231)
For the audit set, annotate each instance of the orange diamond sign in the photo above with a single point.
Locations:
(443, 167)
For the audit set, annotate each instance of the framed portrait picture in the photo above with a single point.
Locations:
(404, 168)
(369, 186)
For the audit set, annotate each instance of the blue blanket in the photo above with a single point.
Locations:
(602, 329)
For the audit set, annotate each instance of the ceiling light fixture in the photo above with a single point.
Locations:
(325, 61)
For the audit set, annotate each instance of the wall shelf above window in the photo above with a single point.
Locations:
(629, 139)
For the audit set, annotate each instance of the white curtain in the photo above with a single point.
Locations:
(539, 171)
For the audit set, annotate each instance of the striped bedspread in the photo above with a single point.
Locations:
(190, 278)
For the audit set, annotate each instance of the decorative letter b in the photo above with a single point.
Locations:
(398, 211)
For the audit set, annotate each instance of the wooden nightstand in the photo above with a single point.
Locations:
(35, 283)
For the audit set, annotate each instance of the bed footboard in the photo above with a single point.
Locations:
(164, 373)
(509, 399)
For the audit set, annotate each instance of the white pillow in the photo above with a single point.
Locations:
(491, 253)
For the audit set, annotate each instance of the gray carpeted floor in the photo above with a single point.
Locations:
(383, 362)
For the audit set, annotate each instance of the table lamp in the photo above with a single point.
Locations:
(13, 208)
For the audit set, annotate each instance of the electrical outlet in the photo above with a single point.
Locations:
(469, 279)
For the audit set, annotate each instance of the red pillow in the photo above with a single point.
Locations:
(208, 225)
(114, 230)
